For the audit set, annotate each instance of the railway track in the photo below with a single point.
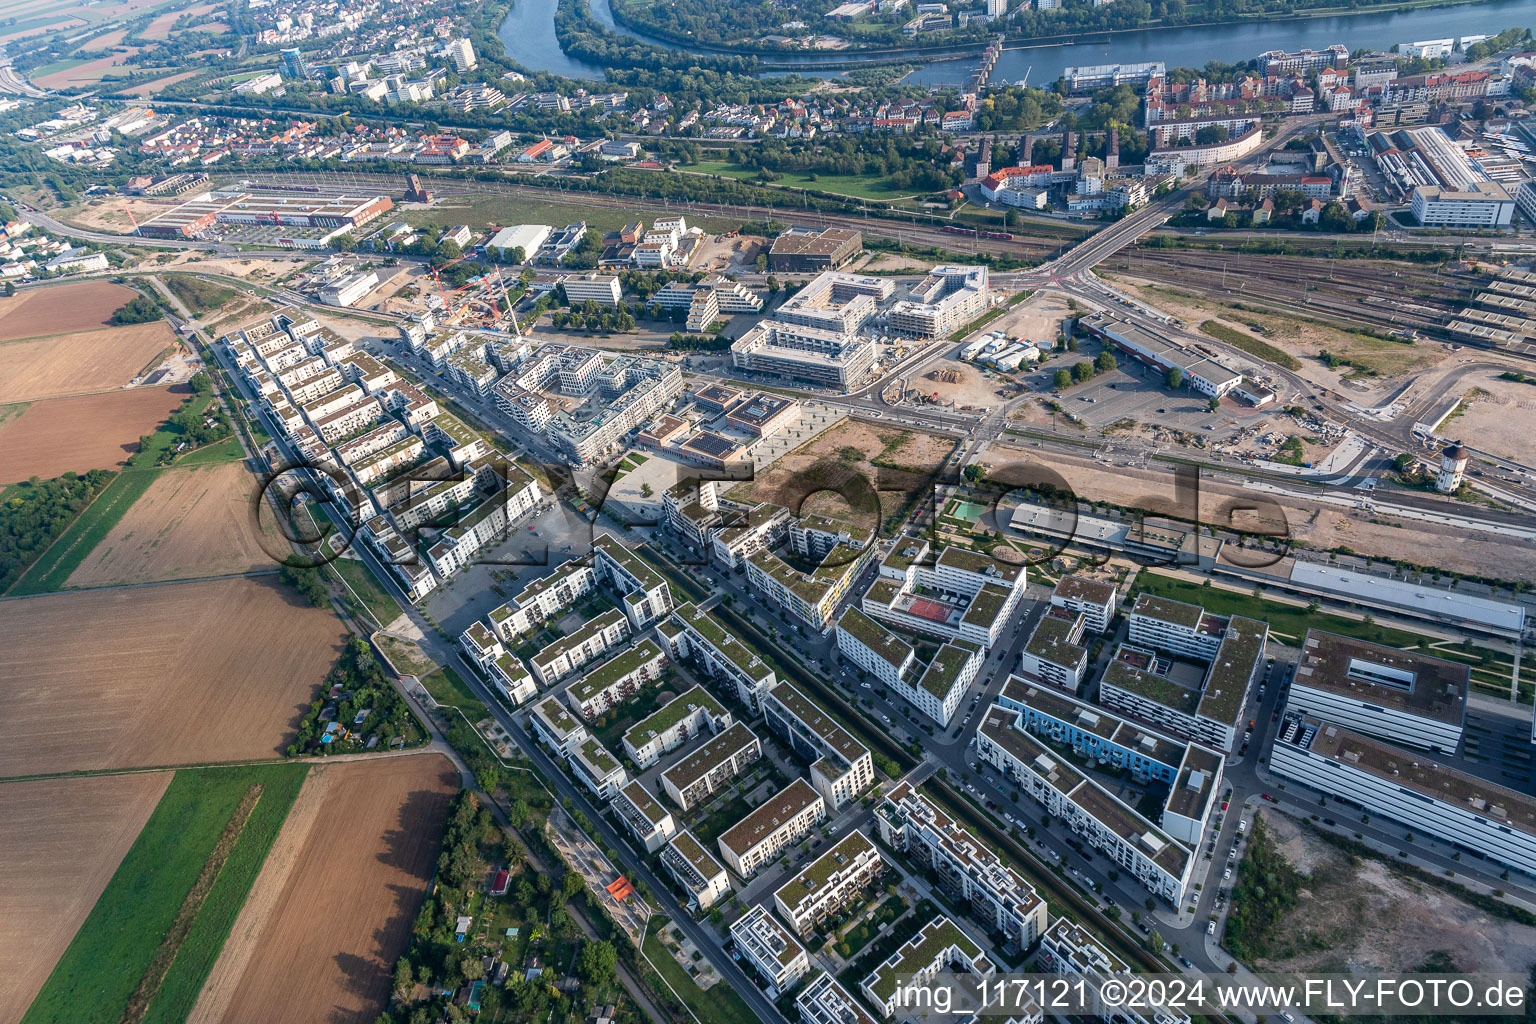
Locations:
(1364, 293)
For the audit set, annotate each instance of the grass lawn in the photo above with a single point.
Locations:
(376, 600)
(718, 1005)
(115, 945)
(859, 186)
(860, 935)
(50, 571)
(446, 687)
(1291, 620)
(227, 450)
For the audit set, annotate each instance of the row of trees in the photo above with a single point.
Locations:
(34, 514)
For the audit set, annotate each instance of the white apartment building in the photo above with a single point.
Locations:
(602, 289)
(829, 883)
(784, 818)
(643, 815)
(1055, 653)
(1400, 696)
(1092, 731)
(824, 1001)
(873, 648)
(616, 680)
(1410, 788)
(504, 669)
(710, 766)
(600, 634)
(961, 596)
(810, 595)
(1164, 866)
(692, 713)
(716, 650)
(771, 949)
(1069, 948)
(556, 727)
(950, 297)
(693, 868)
(841, 767)
(1000, 897)
(797, 352)
(939, 947)
(1192, 798)
(597, 769)
(731, 297)
(1095, 599)
(644, 595)
(938, 691)
(542, 599)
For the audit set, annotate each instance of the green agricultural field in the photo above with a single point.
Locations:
(858, 186)
(116, 944)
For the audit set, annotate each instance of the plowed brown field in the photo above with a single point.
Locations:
(82, 432)
(174, 674)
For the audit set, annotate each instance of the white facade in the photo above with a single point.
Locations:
(1484, 204)
(771, 949)
(692, 867)
(829, 883)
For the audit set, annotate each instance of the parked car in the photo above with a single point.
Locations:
(1210, 929)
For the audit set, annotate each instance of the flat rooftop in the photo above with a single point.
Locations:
(890, 647)
(769, 817)
(819, 722)
(1097, 721)
(708, 755)
(1082, 588)
(1167, 610)
(1051, 640)
(669, 714)
(1132, 669)
(1195, 788)
(1423, 775)
(819, 871)
(944, 670)
(919, 953)
(1404, 681)
(1226, 683)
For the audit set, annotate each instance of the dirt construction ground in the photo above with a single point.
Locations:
(193, 521)
(59, 310)
(846, 455)
(1322, 526)
(1499, 416)
(1370, 918)
(82, 432)
(79, 363)
(332, 908)
(174, 674)
(62, 841)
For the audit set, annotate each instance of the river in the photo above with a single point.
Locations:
(528, 33)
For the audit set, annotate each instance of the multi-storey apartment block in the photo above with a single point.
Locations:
(717, 650)
(1400, 696)
(616, 680)
(711, 765)
(692, 713)
(1094, 732)
(771, 949)
(962, 595)
(693, 868)
(556, 727)
(824, 1001)
(645, 596)
(873, 648)
(1055, 653)
(1000, 898)
(937, 692)
(948, 298)
(643, 815)
(1137, 681)
(1069, 948)
(504, 669)
(829, 883)
(543, 599)
(597, 769)
(782, 819)
(939, 947)
(841, 766)
(811, 596)
(1161, 864)
(1095, 599)
(600, 634)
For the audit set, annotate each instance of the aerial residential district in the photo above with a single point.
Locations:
(577, 511)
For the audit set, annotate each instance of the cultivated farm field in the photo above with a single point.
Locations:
(71, 307)
(82, 432)
(62, 842)
(332, 909)
(79, 362)
(172, 674)
(193, 521)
